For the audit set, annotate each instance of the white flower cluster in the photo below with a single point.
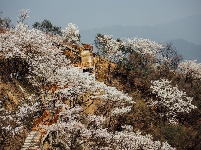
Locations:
(190, 68)
(127, 128)
(46, 66)
(132, 140)
(23, 14)
(12, 130)
(26, 110)
(13, 122)
(143, 46)
(19, 41)
(98, 120)
(110, 93)
(71, 33)
(79, 83)
(98, 136)
(111, 49)
(121, 111)
(174, 100)
(36, 48)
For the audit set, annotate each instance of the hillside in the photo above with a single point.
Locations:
(55, 93)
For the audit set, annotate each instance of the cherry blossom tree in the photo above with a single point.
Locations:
(75, 129)
(122, 50)
(143, 46)
(170, 99)
(23, 14)
(71, 33)
(81, 83)
(108, 47)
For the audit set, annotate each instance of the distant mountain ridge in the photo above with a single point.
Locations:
(185, 34)
(189, 51)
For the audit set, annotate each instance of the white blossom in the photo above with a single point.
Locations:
(71, 33)
(173, 99)
(143, 46)
(121, 111)
(111, 48)
(23, 14)
(190, 69)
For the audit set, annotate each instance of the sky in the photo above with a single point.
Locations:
(89, 14)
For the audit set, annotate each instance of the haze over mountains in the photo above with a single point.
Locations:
(185, 34)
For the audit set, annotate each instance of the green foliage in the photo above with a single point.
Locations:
(13, 67)
(172, 57)
(136, 73)
(5, 22)
(47, 27)
(142, 117)
(175, 135)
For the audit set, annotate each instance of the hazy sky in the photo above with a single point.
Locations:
(88, 14)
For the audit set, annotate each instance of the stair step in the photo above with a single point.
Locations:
(31, 148)
(30, 144)
(29, 137)
(32, 141)
(34, 137)
(32, 134)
